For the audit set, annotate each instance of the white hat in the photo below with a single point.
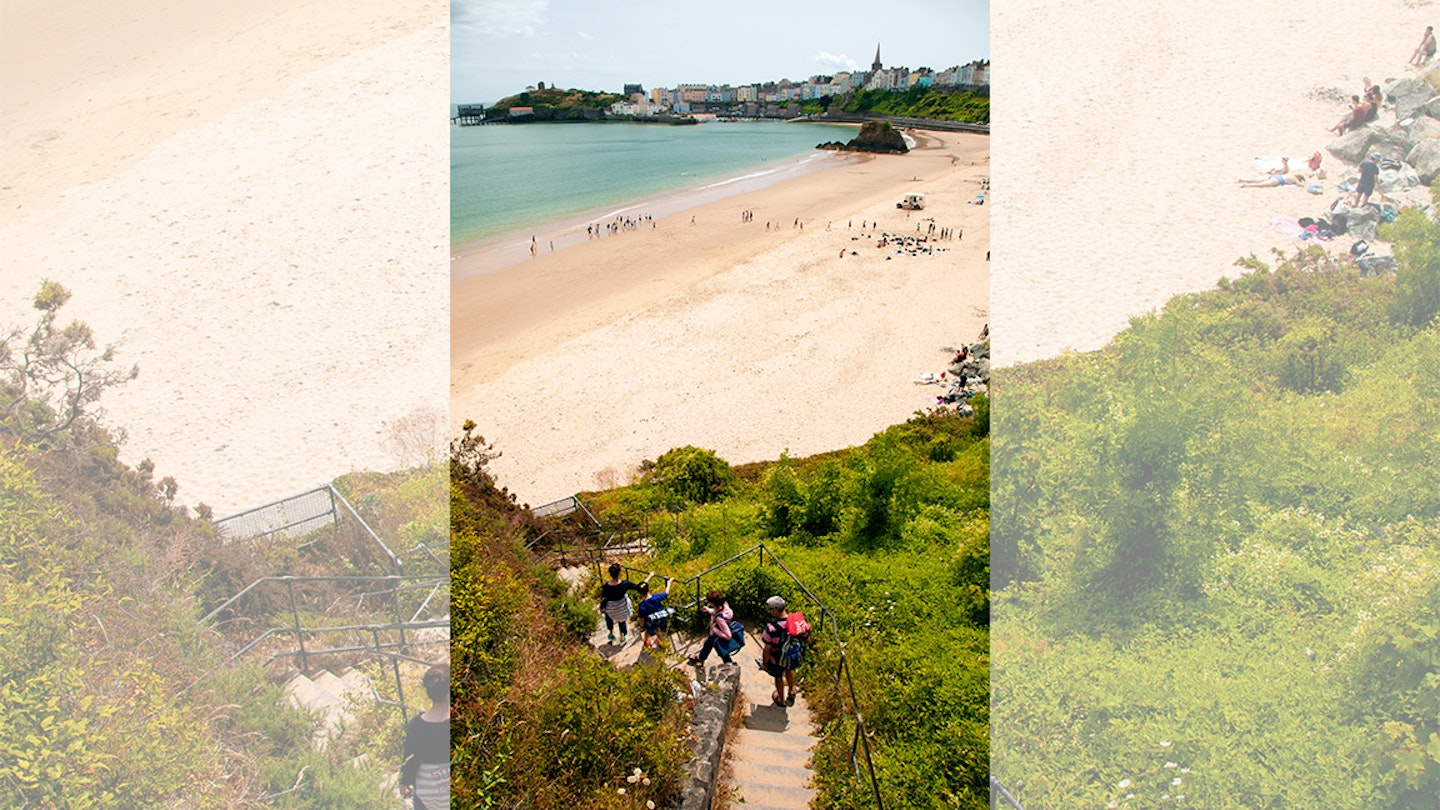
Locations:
(775, 603)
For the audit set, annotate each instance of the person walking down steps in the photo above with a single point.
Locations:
(615, 603)
(726, 635)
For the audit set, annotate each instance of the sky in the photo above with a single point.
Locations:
(498, 47)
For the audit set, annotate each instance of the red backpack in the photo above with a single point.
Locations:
(796, 626)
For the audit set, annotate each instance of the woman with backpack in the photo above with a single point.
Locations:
(722, 634)
(773, 663)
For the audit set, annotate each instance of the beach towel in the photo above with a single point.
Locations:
(1270, 165)
(1289, 227)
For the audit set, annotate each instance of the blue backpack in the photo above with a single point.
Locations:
(737, 637)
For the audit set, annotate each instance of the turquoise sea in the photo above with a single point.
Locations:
(503, 178)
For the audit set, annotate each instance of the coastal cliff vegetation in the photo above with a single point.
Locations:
(935, 103)
(1217, 550)
(540, 720)
(112, 692)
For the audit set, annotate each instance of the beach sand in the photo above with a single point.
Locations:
(1116, 166)
(723, 334)
(251, 201)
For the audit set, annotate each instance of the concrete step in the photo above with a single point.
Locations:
(775, 719)
(777, 796)
(770, 739)
(755, 773)
(770, 755)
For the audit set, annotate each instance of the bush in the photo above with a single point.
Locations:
(693, 474)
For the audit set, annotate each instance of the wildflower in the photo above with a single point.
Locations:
(1124, 783)
(1184, 770)
(1166, 743)
(1129, 795)
(649, 804)
(631, 779)
(1170, 766)
(645, 780)
(1112, 805)
(1175, 782)
(622, 791)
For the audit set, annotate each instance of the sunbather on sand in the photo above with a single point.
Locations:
(1277, 179)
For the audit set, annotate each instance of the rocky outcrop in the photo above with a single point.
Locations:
(875, 136)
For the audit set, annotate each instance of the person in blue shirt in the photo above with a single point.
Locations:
(654, 616)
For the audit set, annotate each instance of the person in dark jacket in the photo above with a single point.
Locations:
(425, 770)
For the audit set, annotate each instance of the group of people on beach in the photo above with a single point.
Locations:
(619, 224)
(782, 641)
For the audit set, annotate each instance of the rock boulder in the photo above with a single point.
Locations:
(1425, 157)
(1352, 147)
(1410, 96)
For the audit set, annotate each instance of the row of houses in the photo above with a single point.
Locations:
(975, 74)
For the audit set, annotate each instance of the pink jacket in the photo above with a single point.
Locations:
(720, 621)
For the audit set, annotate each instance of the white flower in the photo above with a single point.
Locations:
(1170, 766)
(1184, 770)
(1112, 805)
(646, 780)
(1166, 743)
(1176, 782)
(1124, 783)
(631, 779)
(622, 791)
(1129, 795)
(650, 805)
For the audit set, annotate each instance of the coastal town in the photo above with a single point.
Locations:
(693, 103)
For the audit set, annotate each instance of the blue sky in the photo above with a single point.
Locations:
(497, 47)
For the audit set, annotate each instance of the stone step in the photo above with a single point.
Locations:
(747, 774)
(767, 755)
(781, 797)
(325, 679)
(770, 739)
(775, 719)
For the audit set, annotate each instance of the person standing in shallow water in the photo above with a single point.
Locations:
(425, 770)
(615, 604)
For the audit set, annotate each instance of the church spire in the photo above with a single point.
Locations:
(876, 67)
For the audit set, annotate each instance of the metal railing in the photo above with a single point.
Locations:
(380, 593)
(300, 515)
(999, 793)
(845, 684)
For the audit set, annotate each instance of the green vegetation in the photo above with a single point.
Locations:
(112, 693)
(1218, 550)
(892, 537)
(936, 103)
(540, 721)
(554, 104)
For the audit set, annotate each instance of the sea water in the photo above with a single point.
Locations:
(505, 177)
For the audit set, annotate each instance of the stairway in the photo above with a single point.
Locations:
(329, 697)
(769, 755)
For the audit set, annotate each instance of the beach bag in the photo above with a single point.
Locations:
(737, 637)
(1314, 162)
(1359, 248)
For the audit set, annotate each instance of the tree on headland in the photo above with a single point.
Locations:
(50, 377)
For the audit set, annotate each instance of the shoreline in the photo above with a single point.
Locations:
(509, 248)
(751, 341)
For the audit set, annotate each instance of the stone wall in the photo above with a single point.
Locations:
(707, 738)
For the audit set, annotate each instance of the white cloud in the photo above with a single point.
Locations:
(834, 61)
(584, 35)
(498, 18)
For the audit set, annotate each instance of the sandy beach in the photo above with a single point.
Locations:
(1116, 183)
(724, 334)
(250, 200)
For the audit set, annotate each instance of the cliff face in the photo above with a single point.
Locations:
(875, 136)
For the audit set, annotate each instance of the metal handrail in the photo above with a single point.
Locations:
(384, 578)
(861, 742)
(998, 791)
